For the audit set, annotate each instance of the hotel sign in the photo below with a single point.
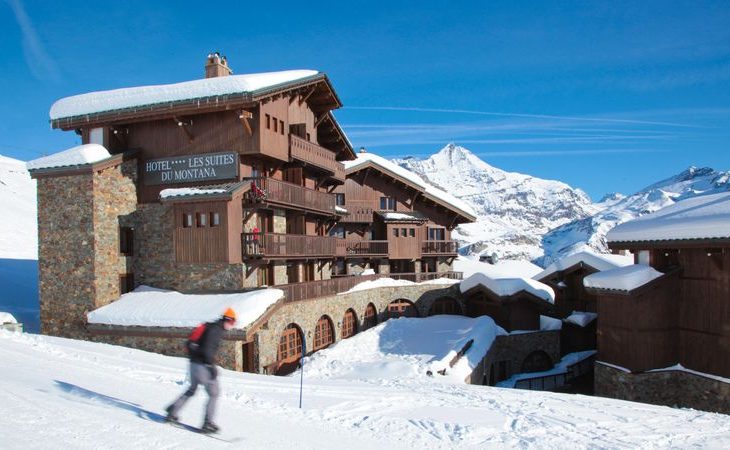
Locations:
(191, 168)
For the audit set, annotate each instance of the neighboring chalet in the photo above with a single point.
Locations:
(395, 223)
(664, 323)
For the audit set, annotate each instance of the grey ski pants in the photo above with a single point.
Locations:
(199, 374)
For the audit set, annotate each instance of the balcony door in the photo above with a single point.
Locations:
(294, 175)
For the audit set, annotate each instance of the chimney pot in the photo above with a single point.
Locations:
(216, 66)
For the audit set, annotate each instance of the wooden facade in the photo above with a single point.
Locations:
(519, 311)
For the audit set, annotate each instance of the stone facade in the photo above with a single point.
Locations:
(670, 388)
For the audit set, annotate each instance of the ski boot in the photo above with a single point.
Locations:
(171, 418)
(209, 427)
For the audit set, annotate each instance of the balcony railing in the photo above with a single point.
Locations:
(361, 248)
(311, 153)
(265, 245)
(426, 276)
(439, 247)
(357, 214)
(269, 190)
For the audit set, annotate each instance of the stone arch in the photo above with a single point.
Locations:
(445, 305)
(402, 308)
(349, 324)
(289, 353)
(537, 361)
(370, 318)
(324, 333)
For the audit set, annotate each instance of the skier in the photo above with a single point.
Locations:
(203, 370)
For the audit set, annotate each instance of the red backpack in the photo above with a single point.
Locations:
(193, 342)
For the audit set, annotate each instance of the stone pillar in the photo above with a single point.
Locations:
(280, 275)
(383, 266)
(417, 266)
(279, 220)
(326, 271)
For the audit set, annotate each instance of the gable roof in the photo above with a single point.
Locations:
(371, 160)
(598, 261)
(506, 287)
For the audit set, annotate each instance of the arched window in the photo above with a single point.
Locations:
(402, 308)
(445, 305)
(290, 349)
(349, 324)
(370, 319)
(323, 333)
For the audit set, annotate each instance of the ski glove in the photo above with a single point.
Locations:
(213, 371)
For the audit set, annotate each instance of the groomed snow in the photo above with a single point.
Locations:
(429, 190)
(469, 265)
(581, 318)
(703, 217)
(509, 286)
(75, 156)
(559, 368)
(7, 318)
(147, 306)
(179, 192)
(406, 349)
(623, 279)
(599, 261)
(102, 101)
(63, 393)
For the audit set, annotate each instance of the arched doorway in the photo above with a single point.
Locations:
(402, 308)
(370, 319)
(445, 305)
(290, 350)
(537, 361)
(324, 334)
(349, 324)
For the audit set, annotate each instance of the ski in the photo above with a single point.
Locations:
(161, 419)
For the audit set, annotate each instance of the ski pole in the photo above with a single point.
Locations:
(301, 379)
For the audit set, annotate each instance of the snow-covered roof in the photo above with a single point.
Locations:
(502, 269)
(147, 306)
(75, 156)
(340, 210)
(7, 318)
(599, 261)
(548, 323)
(201, 191)
(390, 216)
(117, 99)
(581, 318)
(561, 367)
(703, 217)
(504, 287)
(431, 192)
(622, 279)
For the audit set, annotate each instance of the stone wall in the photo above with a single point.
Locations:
(670, 388)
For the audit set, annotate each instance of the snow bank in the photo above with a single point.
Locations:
(380, 282)
(681, 368)
(407, 348)
(95, 102)
(429, 190)
(550, 323)
(580, 318)
(179, 192)
(599, 261)
(7, 318)
(502, 269)
(561, 367)
(703, 217)
(509, 286)
(147, 306)
(75, 156)
(624, 278)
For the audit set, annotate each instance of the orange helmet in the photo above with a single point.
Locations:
(229, 315)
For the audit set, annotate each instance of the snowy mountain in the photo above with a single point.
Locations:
(514, 210)
(591, 231)
(18, 235)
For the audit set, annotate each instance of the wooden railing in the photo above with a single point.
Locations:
(288, 194)
(426, 276)
(361, 248)
(286, 245)
(311, 153)
(358, 214)
(439, 247)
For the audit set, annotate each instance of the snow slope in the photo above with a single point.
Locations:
(19, 229)
(62, 393)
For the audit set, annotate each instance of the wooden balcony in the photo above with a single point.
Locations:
(357, 214)
(433, 248)
(320, 157)
(275, 245)
(355, 249)
(425, 276)
(281, 193)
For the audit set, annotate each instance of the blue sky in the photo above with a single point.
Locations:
(606, 96)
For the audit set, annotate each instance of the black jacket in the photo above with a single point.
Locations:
(209, 343)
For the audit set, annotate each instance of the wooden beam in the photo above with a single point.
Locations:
(244, 117)
(306, 97)
(183, 126)
(319, 120)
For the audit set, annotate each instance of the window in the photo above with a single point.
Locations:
(395, 232)
(340, 199)
(201, 220)
(309, 137)
(281, 127)
(349, 324)
(323, 333)
(436, 234)
(126, 283)
(215, 219)
(412, 232)
(187, 220)
(126, 241)
(276, 125)
(338, 231)
(268, 122)
(404, 232)
(387, 203)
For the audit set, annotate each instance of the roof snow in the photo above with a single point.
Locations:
(181, 192)
(703, 217)
(581, 318)
(75, 156)
(509, 286)
(340, 210)
(623, 279)
(103, 101)
(502, 269)
(429, 190)
(7, 318)
(147, 306)
(548, 323)
(599, 261)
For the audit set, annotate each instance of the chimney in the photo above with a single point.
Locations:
(216, 66)
(363, 150)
